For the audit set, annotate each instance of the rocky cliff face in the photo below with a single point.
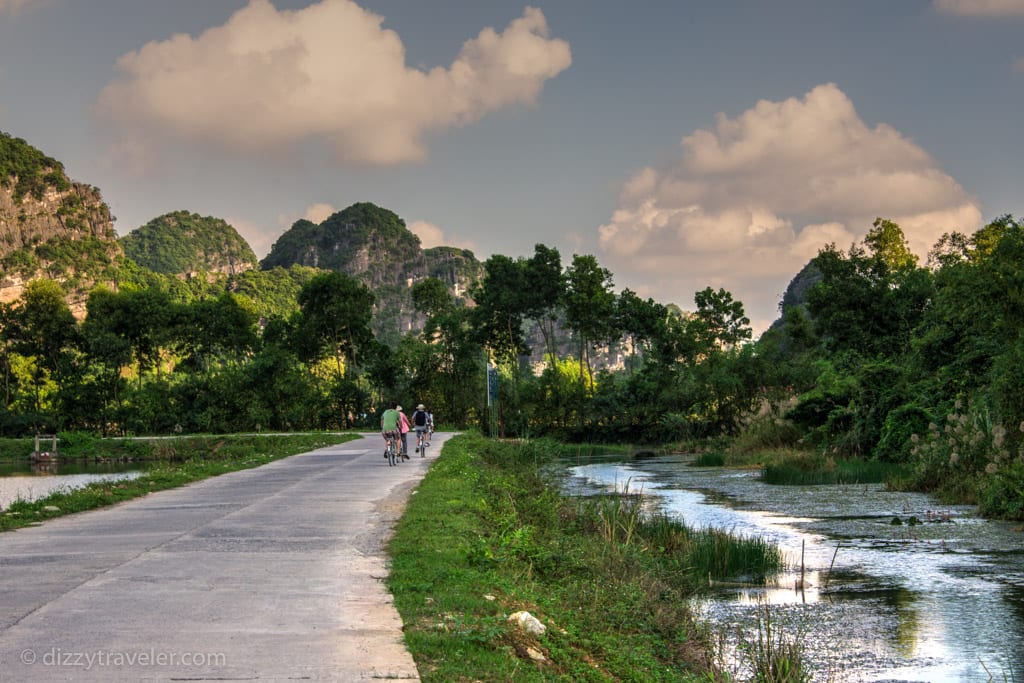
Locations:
(76, 212)
(373, 245)
(49, 226)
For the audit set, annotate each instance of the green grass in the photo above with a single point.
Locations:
(167, 463)
(712, 459)
(487, 535)
(807, 469)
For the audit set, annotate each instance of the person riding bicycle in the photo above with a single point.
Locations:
(389, 423)
(421, 423)
(403, 431)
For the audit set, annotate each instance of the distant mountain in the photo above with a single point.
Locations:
(51, 226)
(373, 245)
(184, 244)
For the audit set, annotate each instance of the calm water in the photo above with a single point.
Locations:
(25, 481)
(940, 601)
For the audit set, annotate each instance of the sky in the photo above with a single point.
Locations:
(684, 144)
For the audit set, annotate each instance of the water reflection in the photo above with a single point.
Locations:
(877, 598)
(22, 480)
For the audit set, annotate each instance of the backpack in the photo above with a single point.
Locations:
(419, 418)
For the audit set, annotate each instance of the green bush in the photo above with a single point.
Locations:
(897, 433)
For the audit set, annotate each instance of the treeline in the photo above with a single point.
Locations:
(880, 357)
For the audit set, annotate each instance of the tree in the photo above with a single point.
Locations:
(335, 315)
(642, 321)
(720, 320)
(871, 299)
(589, 306)
(500, 308)
(45, 326)
(546, 285)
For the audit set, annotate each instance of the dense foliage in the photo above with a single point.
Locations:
(181, 242)
(27, 169)
(875, 355)
(916, 364)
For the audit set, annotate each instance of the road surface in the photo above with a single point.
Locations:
(275, 573)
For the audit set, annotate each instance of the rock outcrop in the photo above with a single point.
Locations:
(50, 226)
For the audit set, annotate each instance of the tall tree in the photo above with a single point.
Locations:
(589, 306)
(335, 315)
(545, 290)
(721, 320)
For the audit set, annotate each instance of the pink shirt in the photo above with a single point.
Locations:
(403, 423)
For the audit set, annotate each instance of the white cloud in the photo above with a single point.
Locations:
(267, 80)
(318, 213)
(432, 236)
(981, 8)
(750, 201)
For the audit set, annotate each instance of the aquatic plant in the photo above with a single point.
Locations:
(808, 469)
(776, 656)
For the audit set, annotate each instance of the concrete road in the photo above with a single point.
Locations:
(274, 573)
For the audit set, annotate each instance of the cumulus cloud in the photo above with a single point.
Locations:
(433, 236)
(318, 213)
(981, 8)
(749, 202)
(267, 80)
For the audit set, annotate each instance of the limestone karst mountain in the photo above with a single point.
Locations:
(373, 245)
(51, 226)
(187, 244)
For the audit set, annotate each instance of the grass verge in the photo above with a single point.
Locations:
(166, 463)
(488, 535)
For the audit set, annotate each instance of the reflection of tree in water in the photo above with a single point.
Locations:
(908, 619)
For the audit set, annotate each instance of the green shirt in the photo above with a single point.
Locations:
(389, 420)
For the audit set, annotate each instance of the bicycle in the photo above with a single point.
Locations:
(421, 442)
(391, 448)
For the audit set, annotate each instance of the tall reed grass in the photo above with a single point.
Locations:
(812, 469)
(704, 555)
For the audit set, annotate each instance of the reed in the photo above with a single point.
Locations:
(809, 470)
(775, 655)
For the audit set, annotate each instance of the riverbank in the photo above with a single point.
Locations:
(165, 463)
(489, 535)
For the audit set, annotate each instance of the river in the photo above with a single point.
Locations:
(938, 596)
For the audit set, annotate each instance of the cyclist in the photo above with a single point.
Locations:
(403, 429)
(420, 422)
(389, 424)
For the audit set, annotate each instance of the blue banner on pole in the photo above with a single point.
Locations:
(492, 385)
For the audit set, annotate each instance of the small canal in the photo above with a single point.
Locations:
(23, 480)
(896, 587)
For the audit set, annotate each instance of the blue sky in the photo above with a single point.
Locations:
(684, 144)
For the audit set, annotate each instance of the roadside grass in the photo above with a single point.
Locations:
(488, 534)
(165, 463)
